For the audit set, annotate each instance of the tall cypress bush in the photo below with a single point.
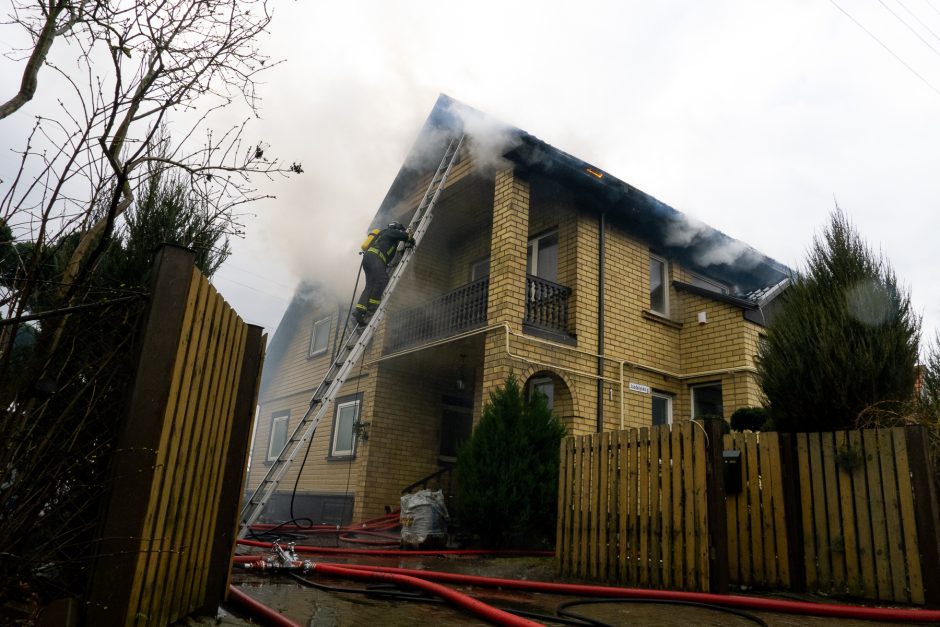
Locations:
(845, 339)
(508, 471)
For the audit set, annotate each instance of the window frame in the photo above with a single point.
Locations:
(313, 336)
(697, 386)
(670, 401)
(277, 417)
(705, 283)
(338, 406)
(665, 284)
(532, 254)
(537, 381)
(484, 262)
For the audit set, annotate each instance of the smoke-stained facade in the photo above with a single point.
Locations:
(619, 309)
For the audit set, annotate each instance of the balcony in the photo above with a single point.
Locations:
(546, 307)
(460, 310)
(464, 309)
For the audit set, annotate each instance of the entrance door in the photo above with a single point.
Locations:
(456, 426)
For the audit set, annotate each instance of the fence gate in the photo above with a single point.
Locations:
(633, 508)
(168, 532)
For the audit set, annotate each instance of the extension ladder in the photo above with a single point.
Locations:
(351, 350)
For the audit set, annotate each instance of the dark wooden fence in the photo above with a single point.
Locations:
(848, 513)
(168, 532)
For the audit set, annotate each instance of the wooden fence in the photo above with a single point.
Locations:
(860, 533)
(850, 513)
(758, 551)
(632, 507)
(169, 529)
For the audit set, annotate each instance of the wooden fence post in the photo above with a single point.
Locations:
(135, 452)
(718, 571)
(793, 509)
(926, 511)
(220, 559)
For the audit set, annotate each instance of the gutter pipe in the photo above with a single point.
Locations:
(600, 357)
(601, 226)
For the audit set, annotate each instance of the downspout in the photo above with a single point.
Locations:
(600, 322)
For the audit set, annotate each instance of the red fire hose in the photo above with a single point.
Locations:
(323, 550)
(459, 599)
(724, 600)
(258, 609)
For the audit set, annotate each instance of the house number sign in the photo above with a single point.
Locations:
(642, 389)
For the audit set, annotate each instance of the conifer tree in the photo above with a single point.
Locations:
(845, 339)
(508, 471)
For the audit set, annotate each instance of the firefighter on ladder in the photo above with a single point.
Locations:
(379, 251)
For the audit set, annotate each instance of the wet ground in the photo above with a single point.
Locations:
(327, 608)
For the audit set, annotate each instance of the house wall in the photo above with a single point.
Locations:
(496, 217)
(291, 389)
(404, 433)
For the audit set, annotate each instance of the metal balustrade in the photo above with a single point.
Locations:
(460, 310)
(464, 309)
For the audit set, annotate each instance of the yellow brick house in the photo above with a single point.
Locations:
(622, 310)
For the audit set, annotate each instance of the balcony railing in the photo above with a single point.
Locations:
(464, 309)
(454, 312)
(546, 304)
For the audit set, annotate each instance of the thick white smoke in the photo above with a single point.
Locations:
(710, 248)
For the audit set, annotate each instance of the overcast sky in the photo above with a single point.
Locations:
(754, 117)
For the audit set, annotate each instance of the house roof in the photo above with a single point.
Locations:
(697, 246)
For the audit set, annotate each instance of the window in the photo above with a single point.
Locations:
(480, 269)
(278, 437)
(542, 257)
(659, 301)
(344, 421)
(545, 387)
(708, 284)
(706, 400)
(662, 409)
(320, 338)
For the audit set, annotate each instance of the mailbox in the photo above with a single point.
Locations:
(732, 471)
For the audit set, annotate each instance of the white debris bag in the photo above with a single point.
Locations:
(423, 519)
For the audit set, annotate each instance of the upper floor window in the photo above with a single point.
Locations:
(708, 284)
(480, 269)
(320, 338)
(542, 257)
(278, 436)
(659, 300)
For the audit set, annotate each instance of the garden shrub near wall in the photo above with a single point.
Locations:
(508, 471)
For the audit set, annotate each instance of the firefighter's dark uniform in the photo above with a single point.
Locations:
(375, 262)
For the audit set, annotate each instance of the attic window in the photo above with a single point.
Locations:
(708, 284)
(659, 301)
(320, 338)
